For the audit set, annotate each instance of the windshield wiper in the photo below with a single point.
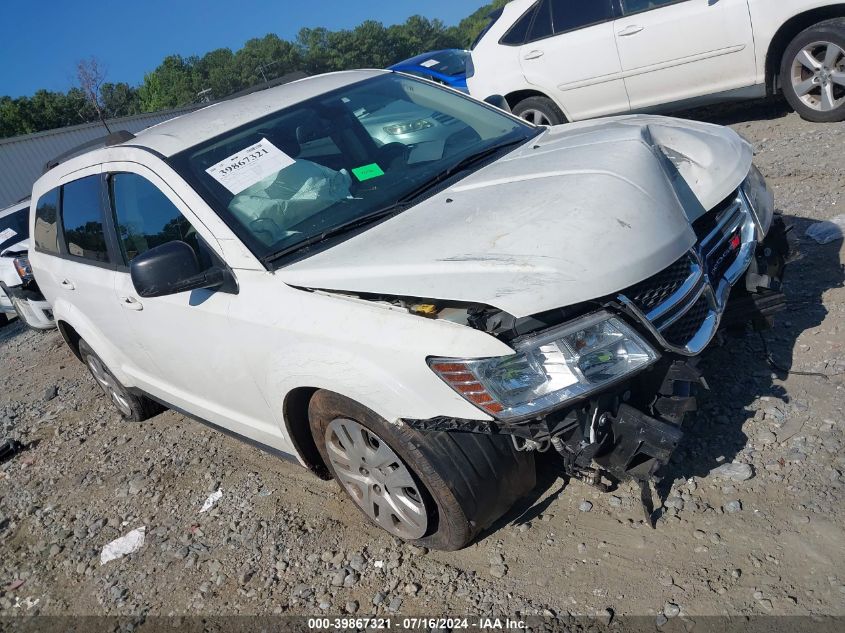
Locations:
(461, 165)
(334, 231)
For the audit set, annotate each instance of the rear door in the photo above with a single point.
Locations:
(570, 54)
(80, 275)
(673, 50)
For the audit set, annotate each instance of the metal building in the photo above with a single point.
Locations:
(22, 158)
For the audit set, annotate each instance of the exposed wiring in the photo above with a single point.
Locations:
(789, 372)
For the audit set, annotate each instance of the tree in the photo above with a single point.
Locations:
(91, 75)
(171, 85)
(178, 80)
(120, 99)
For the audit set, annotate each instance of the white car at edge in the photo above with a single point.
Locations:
(415, 320)
(568, 60)
(19, 294)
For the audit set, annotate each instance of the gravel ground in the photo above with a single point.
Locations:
(765, 537)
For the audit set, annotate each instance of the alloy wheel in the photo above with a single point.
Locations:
(536, 117)
(376, 479)
(108, 384)
(818, 76)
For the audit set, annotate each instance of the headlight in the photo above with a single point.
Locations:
(407, 128)
(566, 363)
(23, 268)
(761, 199)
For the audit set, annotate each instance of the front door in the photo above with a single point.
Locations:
(181, 349)
(570, 54)
(674, 50)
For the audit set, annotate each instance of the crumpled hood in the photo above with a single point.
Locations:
(582, 211)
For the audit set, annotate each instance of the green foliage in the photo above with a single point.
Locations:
(180, 81)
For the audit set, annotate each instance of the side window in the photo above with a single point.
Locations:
(568, 15)
(82, 219)
(542, 26)
(46, 234)
(146, 218)
(635, 6)
(519, 31)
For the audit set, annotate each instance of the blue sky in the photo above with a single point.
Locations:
(41, 40)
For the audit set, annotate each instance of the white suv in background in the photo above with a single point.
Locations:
(19, 294)
(416, 319)
(567, 60)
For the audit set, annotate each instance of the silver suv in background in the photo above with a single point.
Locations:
(19, 294)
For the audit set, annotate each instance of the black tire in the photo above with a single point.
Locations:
(467, 480)
(828, 32)
(137, 408)
(544, 107)
(4, 320)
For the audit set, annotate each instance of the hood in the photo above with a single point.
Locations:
(16, 249)
(582, 211)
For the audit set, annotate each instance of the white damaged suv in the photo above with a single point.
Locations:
(415, 320)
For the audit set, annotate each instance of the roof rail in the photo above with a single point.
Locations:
(115, 138)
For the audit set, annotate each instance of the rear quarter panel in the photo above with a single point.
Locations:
(767, 16)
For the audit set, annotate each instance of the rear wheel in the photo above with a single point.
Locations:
(539, 111)
(3, 319)
(434, 489)
(813, 72)
(131, 407)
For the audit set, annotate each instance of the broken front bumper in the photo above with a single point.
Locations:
(630, 430)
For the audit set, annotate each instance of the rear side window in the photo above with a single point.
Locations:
(568, 15)
(82, 219)
(146, 218)
(46, 234)
(542, 26)
(519, 31)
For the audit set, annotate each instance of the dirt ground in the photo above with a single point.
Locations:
(280, 541)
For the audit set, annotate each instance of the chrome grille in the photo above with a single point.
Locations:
(687, 326)
(682, 304)
(652, 292)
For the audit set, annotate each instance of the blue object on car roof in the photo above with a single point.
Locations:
(447, 67)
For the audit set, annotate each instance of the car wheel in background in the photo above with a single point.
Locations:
(539, 111)
(434, 489)
(813, 72)
(131, 407)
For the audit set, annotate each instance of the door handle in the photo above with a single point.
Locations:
(131, 303)
(631, 30)
(535, 54)
(67, 285)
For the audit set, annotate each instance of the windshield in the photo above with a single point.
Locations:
(450, 63)
(14, 228)
(304, 173)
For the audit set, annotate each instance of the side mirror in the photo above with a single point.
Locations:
(173, 268)
(498, 101)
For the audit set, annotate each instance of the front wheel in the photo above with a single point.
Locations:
(813, 72)
(433, 489)
(539, 111)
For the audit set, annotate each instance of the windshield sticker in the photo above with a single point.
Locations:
(367, 172)
(429, 63)
(249, 166)
(7, 235)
